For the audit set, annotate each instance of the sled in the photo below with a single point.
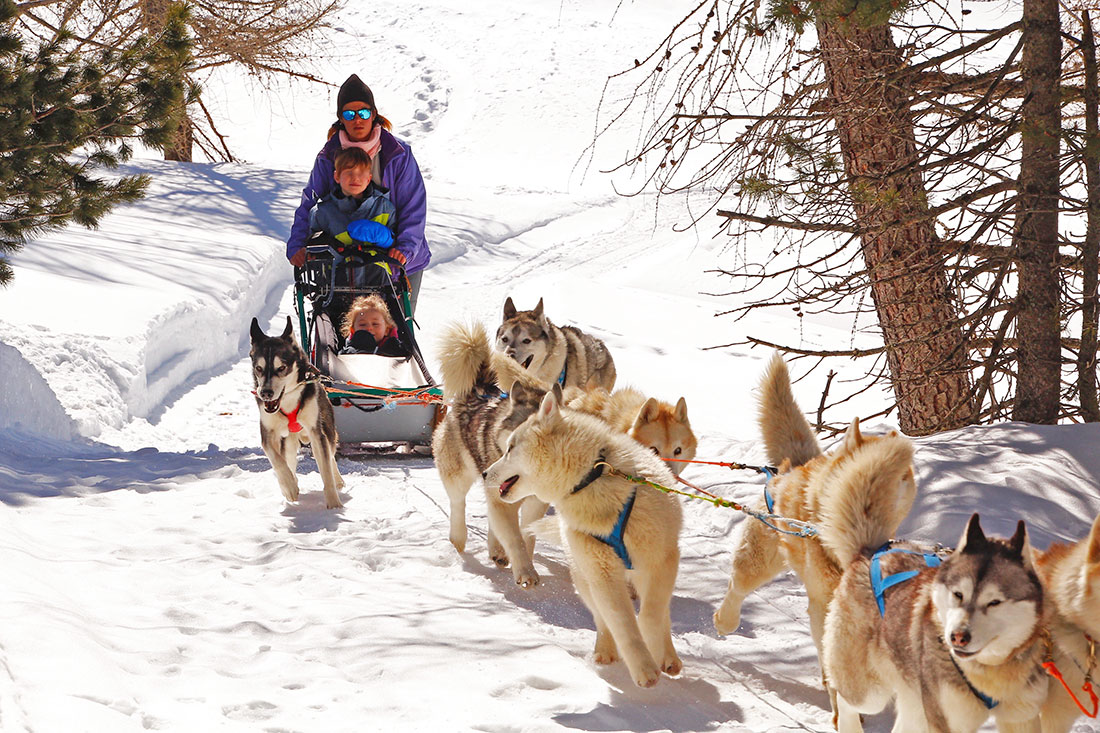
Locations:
(381, 403)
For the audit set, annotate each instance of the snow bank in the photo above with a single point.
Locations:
(27, 403)
(120, 320)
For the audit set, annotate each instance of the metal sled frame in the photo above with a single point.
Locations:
(367, 417)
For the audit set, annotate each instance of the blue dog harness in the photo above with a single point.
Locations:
(614, 538)
(879, 584)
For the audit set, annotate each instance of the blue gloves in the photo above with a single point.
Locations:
(365, 230)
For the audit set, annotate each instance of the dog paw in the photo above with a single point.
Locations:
(291, 494)
(500, 558)
(528, 578)
(459, 541)
(727, 619)
(647, 677)
(605, 652)
(672, 666)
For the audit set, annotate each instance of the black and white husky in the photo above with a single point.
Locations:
(952, 642)
(294, 409)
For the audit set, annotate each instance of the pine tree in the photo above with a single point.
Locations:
(68, 113)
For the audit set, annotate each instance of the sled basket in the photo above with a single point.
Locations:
(376, 399)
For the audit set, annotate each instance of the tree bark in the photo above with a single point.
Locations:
(183, 146)
(1090, 250)
(924, 343)
(1036, 230)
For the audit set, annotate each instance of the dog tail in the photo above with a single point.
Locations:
(466, 360)
(867, 496)
(787, 433)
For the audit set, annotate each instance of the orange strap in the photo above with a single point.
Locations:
(1053, 671)
(418, 394)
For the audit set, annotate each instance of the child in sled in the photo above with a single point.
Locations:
(370, 329)
(357, 212)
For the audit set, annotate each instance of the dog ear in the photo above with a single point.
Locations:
(548, 408)
(558, 394)
(288, 332)
(509, 308)
(1019, 543)
(681, 413)
(517, 393)
(1094, 544)
(649, 412)
(538, 309)
(973, 539)
(257, 332)
(853, 438)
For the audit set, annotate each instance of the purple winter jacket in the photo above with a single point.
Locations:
(400, 174)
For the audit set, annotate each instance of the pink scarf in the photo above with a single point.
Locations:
(371, 145)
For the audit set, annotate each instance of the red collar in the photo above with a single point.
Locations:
(292, 419)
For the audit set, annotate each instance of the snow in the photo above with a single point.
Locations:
(152, 576)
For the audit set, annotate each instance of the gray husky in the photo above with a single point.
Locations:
(473, 434)
(565, 355)
(951, 643)
(294, 409)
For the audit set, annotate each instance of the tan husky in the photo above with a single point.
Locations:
(1071, 577)
(616, 531)
(659, 426)
(806, 477)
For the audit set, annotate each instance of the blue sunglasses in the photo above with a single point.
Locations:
(350, 114)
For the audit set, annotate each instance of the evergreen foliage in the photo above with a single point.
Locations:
(68, 113)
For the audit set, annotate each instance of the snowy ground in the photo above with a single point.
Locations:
(152, 576)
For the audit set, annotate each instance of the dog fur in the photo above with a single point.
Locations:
(806, 479)
(552, 457)
(566, 355)
(283, 382)
(974, 625)
(657, 425)
(1071, 576)
(472, 435)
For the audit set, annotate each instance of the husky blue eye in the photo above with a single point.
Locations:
(350, 114)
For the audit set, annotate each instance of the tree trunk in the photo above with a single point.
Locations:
(1036, 232)
(924, 343)
(1090, 250)
(182, 148)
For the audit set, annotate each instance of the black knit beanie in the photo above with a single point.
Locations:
(353, 90)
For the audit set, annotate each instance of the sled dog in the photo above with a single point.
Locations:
(615, 530)
(472, 435)
(951, 645)
(657, 425)
(806, 477)
(565, 355)
(1071, 577)
(294, 409)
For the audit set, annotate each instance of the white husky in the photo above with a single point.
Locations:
(615, 530)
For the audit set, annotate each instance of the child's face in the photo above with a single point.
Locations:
(372, 322)
(354, 180)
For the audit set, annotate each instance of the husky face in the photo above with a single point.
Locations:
(276, 365)
(666, 431)
(987, 596)
(524, 335)
(541, 458)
